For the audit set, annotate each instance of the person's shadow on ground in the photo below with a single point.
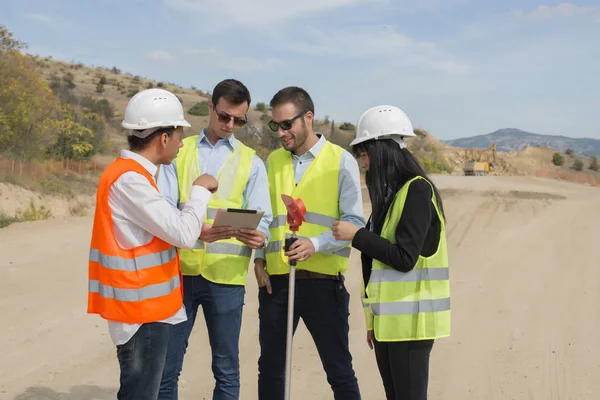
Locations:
(80, 392)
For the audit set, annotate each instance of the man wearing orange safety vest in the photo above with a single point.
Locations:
(134, 274)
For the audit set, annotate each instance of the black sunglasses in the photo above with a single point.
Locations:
(286, 125)
(225, 118)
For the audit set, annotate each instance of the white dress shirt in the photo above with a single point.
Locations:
(140, 212)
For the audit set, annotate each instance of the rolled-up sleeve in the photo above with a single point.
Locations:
(167, 183)
(350, 204)
(257, 197)
(149, 209)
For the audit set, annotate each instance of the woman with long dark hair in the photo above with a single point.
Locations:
(406, 289)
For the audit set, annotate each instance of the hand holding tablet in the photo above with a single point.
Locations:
(238, 218)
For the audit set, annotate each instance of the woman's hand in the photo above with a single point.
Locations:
(370, 338)
(343, 230)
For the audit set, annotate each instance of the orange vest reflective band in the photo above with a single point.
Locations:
(137, 285)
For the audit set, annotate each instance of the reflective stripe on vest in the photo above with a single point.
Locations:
(412, 305)
(224, 261)
(311, 218)
(138, 285)
(223, 248)
(145, 293)
(414, 275)
(276, 246)
(319, 191)
(133, 264)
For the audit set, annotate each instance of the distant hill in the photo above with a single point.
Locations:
(516, 140)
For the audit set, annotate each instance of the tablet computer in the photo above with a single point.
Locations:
(237, 218)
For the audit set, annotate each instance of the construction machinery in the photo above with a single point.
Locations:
(480, 161)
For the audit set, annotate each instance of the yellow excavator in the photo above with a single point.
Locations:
(480, 163)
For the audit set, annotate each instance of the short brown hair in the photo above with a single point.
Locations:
(137, 143)
(231, 90)
(295, 95)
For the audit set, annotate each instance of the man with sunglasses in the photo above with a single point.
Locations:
(215, 271)
(326, 178)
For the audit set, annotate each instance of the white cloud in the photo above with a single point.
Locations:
(159, 55)
(562, 10)
(43, 18)
(52, 21)
(214, 59)
(218, 59)
(259, 12)
(46, 20)
(379, 44)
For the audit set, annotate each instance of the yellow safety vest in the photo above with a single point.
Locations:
(223, 261)
(318, 189)
(414, 305)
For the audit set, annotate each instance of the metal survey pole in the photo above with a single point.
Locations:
(290, 319)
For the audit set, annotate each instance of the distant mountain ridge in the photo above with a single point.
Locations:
(510, 139)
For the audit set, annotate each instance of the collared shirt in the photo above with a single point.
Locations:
(139, 213)
(211, 159)
(349, 197)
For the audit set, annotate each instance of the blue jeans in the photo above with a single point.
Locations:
(142, 360)
(323, 306)
(222, 307)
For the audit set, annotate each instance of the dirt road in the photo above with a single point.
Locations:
(525, 292)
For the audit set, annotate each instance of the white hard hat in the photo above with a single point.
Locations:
(383, 122)
(151, 109)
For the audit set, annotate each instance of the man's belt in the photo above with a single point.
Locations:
(304, 274)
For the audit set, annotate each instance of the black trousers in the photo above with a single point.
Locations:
(323, 306)
(404, 368)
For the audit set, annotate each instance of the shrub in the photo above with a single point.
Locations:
(347, 126)
(558, 159)
(199, 109)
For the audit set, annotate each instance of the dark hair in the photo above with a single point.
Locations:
(389, 169)
(295, 95)
(137, 143)
(231, 90)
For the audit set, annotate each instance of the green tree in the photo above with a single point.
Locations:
(262, 107)
(594, 164)
(73, 140)
(7, 42)
(578, 165)
(558, 159)
(26, 104)
(199, 109)
(347, 126)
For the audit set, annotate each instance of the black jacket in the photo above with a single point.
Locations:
(417, 233)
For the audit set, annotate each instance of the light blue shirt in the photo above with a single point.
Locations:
(349, 197)
(211, 159)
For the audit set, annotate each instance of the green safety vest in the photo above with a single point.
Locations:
(412, 305)
(223, 261)
(319, 191)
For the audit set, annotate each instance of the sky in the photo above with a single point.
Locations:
(457, 68)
